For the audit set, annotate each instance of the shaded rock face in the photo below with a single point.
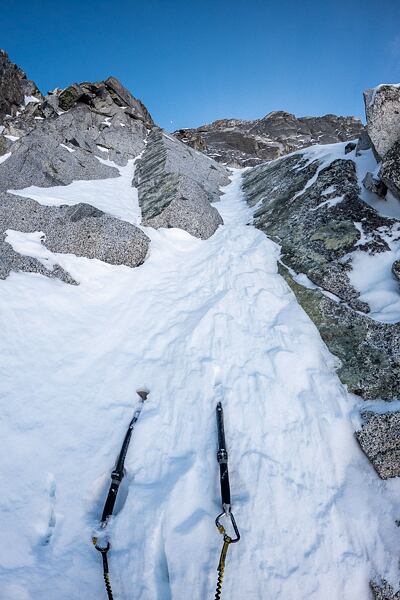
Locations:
(80, 229)
(248, 143)
(382, 109)
(317, 217)
(379, 438)
(396, 269)
(14, 87)
(176, 186)
(390, 170)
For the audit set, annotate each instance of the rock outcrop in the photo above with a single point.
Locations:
(382, 109)
(55, 147)
(80, 229)
(241, 143)
(316, 215)
(176, 186)
(384, 591)
(390, 170)
(86, 131)
(379, 438)
(16, 91)
(57, 139)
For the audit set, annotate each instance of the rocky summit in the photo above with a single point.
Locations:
(143, 257)
(240, 143)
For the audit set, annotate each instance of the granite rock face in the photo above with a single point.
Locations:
(390, 170)
(55, 140)
(396, 270)
(368, 350)
(315, 213)
(106, 97)
(176, 186)
(45, 157)
(241, 143)
(65, 146)
(15, 88)
(379, 438)
(80, 229)
(85, 132)
(382, 109)
(384, 591)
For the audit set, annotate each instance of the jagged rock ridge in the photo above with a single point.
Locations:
(241, 143)
(15, 88)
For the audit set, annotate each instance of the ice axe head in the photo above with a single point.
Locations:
(143, 393)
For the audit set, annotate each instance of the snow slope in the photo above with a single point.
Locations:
(115, 196)
(198, 322)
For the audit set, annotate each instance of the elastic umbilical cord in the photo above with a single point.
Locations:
(218, 590)
(221, 567)
(106, 576)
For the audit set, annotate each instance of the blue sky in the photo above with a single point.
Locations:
(192, 62)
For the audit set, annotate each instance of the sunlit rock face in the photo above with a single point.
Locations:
(241, 143)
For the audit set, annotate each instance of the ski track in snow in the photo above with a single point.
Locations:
(200, 321)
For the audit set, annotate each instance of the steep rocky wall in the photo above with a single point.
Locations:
(311, 210)
(176, 186)
(14, 87)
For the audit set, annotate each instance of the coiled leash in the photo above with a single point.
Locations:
(222, 457)
(116, 477)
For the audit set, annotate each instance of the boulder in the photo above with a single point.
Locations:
(80, 229)
(176, 186)
(396, 269)
(382, 109)
(375, 185)
(363, 143)
(15, 88)
(390, 169)
(12, 261)
(379, 438)
(350, 147)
